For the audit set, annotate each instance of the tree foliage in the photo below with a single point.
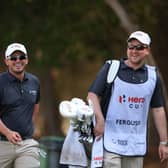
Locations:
(59, 32)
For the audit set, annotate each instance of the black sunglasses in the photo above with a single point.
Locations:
(137, 47)
(20, 57)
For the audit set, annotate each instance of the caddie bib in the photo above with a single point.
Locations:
(126, 121)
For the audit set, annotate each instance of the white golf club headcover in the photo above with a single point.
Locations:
(76, 108)
(67, 110)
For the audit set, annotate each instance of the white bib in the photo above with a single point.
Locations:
(126, 120)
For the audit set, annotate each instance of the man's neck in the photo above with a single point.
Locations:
(133, 65)
(19, 76)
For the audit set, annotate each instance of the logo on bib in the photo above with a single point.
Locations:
(133, 102)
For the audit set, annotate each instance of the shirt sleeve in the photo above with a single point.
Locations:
(99, 83)
(158, 99)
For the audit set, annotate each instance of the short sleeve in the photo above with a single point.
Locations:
(99, 83)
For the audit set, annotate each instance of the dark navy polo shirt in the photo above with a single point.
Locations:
(125, 73)
(17, 100)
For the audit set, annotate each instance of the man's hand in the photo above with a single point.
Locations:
(14, 137)
(163, 152)
(99, 129)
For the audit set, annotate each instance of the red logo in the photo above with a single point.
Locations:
(123, 99)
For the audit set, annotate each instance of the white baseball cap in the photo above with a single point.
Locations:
(15, 47)
(141, 36)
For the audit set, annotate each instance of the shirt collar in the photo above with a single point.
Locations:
(13, 78)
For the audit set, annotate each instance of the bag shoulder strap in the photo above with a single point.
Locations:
(112, 72)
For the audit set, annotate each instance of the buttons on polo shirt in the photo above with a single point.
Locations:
(133, 77)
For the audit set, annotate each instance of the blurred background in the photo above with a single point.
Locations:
(69, 40)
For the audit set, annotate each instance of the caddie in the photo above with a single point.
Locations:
(122, 107)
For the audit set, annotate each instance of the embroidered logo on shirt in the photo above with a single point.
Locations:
(33, 92)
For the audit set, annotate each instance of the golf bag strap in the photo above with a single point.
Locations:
(112, 72)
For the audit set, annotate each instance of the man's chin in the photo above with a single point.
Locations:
(136, 61)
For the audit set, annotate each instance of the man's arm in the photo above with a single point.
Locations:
(12, 136)
(99, 127)
(160, 120)
(3, 129)
(36, 111)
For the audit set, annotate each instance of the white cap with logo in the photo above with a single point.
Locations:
(15, 47)
(141, 36)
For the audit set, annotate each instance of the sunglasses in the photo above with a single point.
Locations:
(137, 47)
(20, 57)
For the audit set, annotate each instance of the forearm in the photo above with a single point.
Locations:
(161, 123)
(36, 111)
(96, 105)
(3, 129)
(99, 125)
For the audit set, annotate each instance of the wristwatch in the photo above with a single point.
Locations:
(164, 143)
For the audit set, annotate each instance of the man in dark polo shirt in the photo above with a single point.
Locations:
(19, 104)
(122, 113)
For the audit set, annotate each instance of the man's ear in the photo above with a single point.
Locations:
(6, 62)
(27, 61)
(148, 51)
